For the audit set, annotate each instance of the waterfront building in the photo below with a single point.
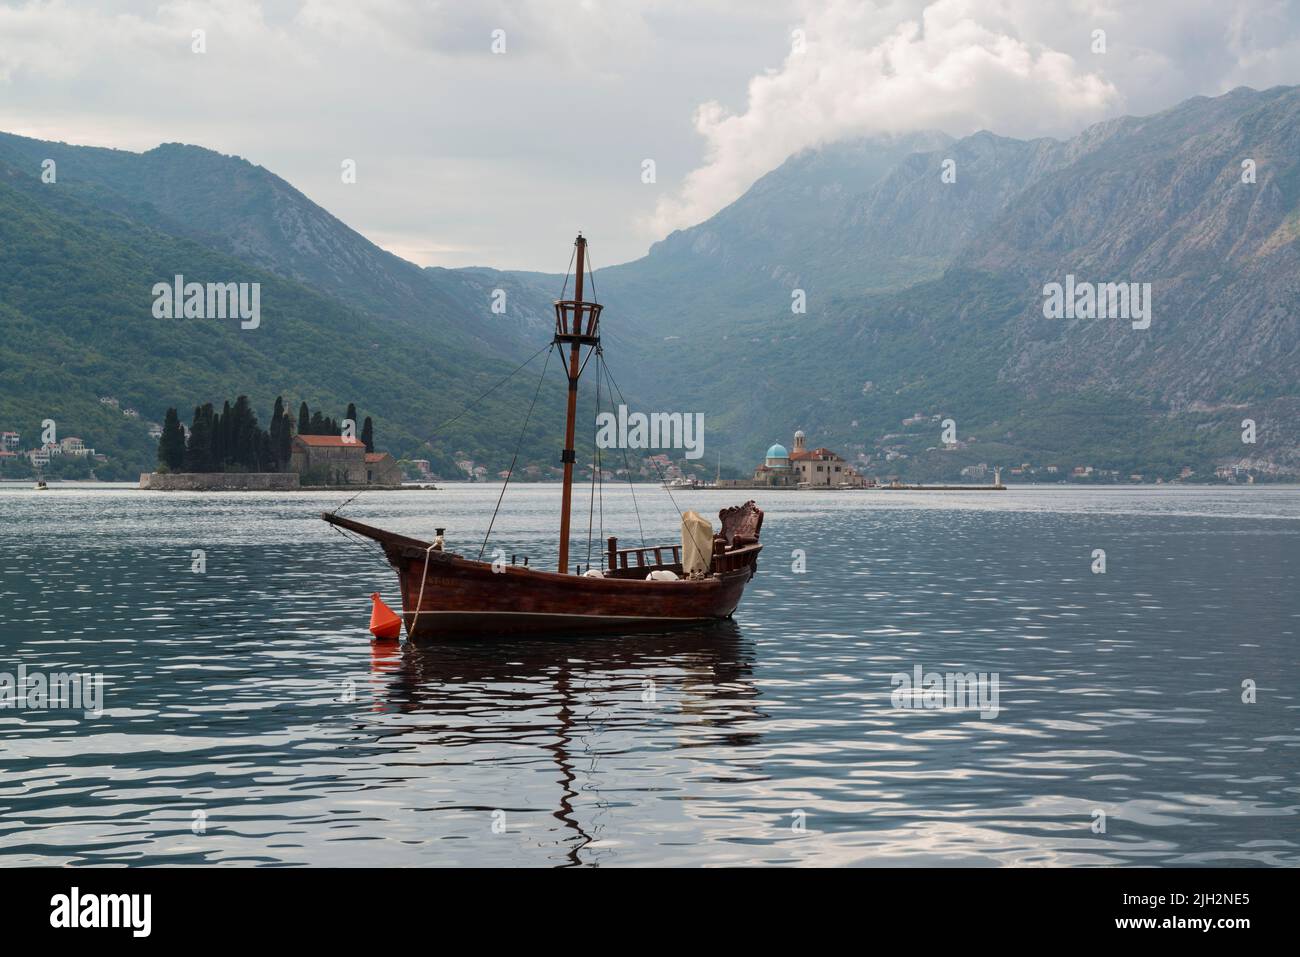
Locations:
(802, 467)
(382, 469)
(328, 460)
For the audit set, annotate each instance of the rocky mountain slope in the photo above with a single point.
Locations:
(80, 261)
(922, 261)
(926, 296)
(252, 215)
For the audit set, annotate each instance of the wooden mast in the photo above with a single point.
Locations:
(570, 328)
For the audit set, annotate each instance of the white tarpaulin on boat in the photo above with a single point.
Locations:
(697, 544)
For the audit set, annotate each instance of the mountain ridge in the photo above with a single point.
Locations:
(922, 295)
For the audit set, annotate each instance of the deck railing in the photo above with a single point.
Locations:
(636, 557)
(670, 556)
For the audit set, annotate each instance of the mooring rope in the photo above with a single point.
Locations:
(419, 602)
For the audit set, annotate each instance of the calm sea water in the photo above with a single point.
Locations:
(248, 720)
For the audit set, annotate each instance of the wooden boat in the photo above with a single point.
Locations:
(448, 594)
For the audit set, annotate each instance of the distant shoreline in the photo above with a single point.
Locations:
(126, 484)
(248, 482)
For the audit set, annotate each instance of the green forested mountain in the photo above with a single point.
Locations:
(925, 296)
(924, 301)
(249, 213)
(76, 312)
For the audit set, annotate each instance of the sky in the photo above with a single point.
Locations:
(487, 132)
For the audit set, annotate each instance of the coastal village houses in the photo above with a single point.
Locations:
(72, 445)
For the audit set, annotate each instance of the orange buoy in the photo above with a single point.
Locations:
(384, 622)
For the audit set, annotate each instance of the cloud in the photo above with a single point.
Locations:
(955, 65)
(487, 155)
(470, 157)
(593, 33)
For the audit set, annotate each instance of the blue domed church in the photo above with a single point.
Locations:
(804, 468)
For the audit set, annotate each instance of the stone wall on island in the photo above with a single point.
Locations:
(218, 481)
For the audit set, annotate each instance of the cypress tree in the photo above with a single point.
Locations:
(198, 451)
(304, 420)
(273, 435)
(171, 444)
(284, 448)
(265, 455)
(237, 431)
(245, 446)
(317, 424)
(216, 444)
(351, 414)
(368, 434)
(212, 423)
(223, 438)
(230, 436)
(192, 443)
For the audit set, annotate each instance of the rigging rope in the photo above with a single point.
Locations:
(442, 425)
(627, 463)
(591, 275)
(653, 460)
(595, 446)
(511, 471)
(631, 487)
(352, 536)
(597, 475)
(565, 287)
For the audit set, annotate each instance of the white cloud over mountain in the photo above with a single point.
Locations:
(469, 157)
(854, 69)
(1016, 67)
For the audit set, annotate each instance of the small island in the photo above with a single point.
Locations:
(228, 450)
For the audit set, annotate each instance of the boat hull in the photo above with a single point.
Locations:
(447, 595)
(456, 596)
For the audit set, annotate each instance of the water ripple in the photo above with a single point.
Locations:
(247, 720)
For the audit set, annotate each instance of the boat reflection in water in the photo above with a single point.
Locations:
(571, 702)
